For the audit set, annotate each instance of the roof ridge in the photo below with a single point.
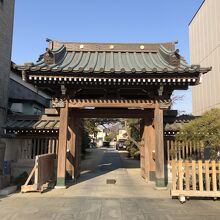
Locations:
(111, 42)
(123, 47)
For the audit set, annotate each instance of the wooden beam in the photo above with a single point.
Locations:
(110, 113)
(96, 103)
(159, 146)
(61, 162)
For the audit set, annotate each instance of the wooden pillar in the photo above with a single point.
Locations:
(61, 161)
(149, 142)
(159, 146)
(149, 146)
(80, 146)
(142, 161)
(152, 171)
(78, 149)
(71, 147)
(146, 149)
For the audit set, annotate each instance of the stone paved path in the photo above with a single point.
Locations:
(91, 198)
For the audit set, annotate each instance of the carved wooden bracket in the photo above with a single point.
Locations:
(58, 103)
(164, 104)
(160, 90)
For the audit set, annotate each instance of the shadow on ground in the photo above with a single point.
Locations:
(104, 160)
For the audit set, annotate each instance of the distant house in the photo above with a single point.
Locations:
(122, 135)
(100, 136)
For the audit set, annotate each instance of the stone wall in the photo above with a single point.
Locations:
(4, 181)
(6, 27)
(15, 157)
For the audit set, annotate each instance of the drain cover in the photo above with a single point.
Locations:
(110, 181)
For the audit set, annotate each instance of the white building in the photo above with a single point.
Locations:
(204, 32)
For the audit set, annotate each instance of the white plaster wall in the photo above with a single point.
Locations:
(204, 32)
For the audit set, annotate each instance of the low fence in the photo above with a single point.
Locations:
(178, 150)
(195, 178)
(43, 172)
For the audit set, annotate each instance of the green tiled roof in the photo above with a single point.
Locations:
(111, 58)
(48, 123)
(36, 124)
(178, 123)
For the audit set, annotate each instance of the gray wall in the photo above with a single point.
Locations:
(6, 31)
(20, 92)
(204, 33)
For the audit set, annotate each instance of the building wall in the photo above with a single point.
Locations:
(20, 90)
(6, 31)
(24, 98)
(122, 135)
(204, 32)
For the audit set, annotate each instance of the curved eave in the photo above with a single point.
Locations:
(86, 61)
(38, 70)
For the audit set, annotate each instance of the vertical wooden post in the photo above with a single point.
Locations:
(174, 171)
(142, 161)
(200, 175)
(159, 146)
(194, 175)
(146, 148)
(187, 175)
(180, 175)
(61, 161)
(214, 182)
(149, 147)
(77, 149)
(151, 131)
(71, 147)
(80, 137)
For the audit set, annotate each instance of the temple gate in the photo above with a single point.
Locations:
(103, 80)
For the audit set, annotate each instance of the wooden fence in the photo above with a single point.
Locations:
(37, 146)
(196, 178)
(43, 172)
(177, 150)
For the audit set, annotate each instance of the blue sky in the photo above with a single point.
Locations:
(102, 21)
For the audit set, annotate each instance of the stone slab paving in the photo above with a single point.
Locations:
(106, 208)
(91, 198)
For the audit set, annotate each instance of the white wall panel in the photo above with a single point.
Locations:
(204, 33)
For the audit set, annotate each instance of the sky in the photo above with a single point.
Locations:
(128, 21)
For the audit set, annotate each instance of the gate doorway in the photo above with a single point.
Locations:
(152, 166)
(117, 141)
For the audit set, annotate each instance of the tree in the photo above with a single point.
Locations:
(133, 131)
(175, 99)
(205, 129)
(108, 138)
(90, 124)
